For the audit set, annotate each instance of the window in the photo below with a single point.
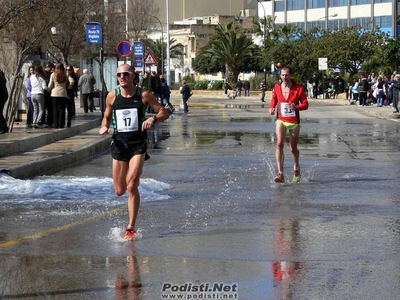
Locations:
(333, 3)
(364, 22)
(316, 3)
(336, 24)
(360, 2)
(382, 1)
(383, 22)
(295, 5)
(279, 6)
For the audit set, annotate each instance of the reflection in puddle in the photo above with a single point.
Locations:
(128, 284)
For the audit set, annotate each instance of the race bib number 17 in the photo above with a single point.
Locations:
(127, 120)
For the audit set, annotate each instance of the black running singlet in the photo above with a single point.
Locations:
(128, 114)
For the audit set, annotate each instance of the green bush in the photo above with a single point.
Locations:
(216, 85)
(201, 85)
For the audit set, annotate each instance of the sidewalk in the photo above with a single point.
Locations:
(26, 153)
(219, 100)
(29, 152)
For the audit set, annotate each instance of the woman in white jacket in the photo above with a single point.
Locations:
(39, 85)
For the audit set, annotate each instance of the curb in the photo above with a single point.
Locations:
(97, 145)
(37, 140)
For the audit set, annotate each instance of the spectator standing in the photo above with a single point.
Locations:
(29, 112)
(59, 81)
(339, 86)
(38, 83)
(396, 92)
(315, 84)
(155, 85)
(144, 82)
(165, 95)
(310, 87)
(389, 89)
(263, 88)
(3, 100)
(355, 89)
(186, 93)
(364, 89)
(239, 87)
(86, 85)
(379, 91)
(72, 93)
(246, 87)
(47, 119)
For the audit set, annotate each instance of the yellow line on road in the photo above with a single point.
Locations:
(56, 229)
(199, 172)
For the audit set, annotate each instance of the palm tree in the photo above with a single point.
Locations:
(269, 25)
(230, 44)
(155, 46)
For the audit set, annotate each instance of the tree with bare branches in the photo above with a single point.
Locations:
(24, 35)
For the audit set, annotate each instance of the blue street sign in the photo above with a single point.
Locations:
(94, 33)
(124, 48)
(138, 62)
(138, 49)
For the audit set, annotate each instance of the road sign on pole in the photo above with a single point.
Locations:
(150, 59)
(138, 62)
(94, 33)
(322, 63)
(124, 48)
(138, 49)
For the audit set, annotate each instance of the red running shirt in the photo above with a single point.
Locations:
(296, 96)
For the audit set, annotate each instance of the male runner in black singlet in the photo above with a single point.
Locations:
(126, 108)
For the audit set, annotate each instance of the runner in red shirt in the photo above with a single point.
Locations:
(288, 99)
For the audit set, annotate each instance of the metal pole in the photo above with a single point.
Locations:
(265, 37)
(126, 20)
(265, 44)
(162, 43)
(168, 47)
(126, 26)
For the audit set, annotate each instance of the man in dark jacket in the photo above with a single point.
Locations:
(239, 87)
(396, 92)
(155, 85)
(364, 89)
(186, 93)
(47, 119)
(315, 83)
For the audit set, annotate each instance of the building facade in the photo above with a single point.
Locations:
(184, 9)
(334, 14)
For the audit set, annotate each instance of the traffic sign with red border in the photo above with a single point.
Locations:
(150, 59)
(124, 48)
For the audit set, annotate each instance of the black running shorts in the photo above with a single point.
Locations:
(124, 153)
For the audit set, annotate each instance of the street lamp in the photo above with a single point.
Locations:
(162, 42)
(265, 37)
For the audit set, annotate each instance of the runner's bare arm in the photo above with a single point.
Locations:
(162, 114)
(105, 123)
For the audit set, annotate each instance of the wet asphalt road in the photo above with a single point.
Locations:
(334, 235)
